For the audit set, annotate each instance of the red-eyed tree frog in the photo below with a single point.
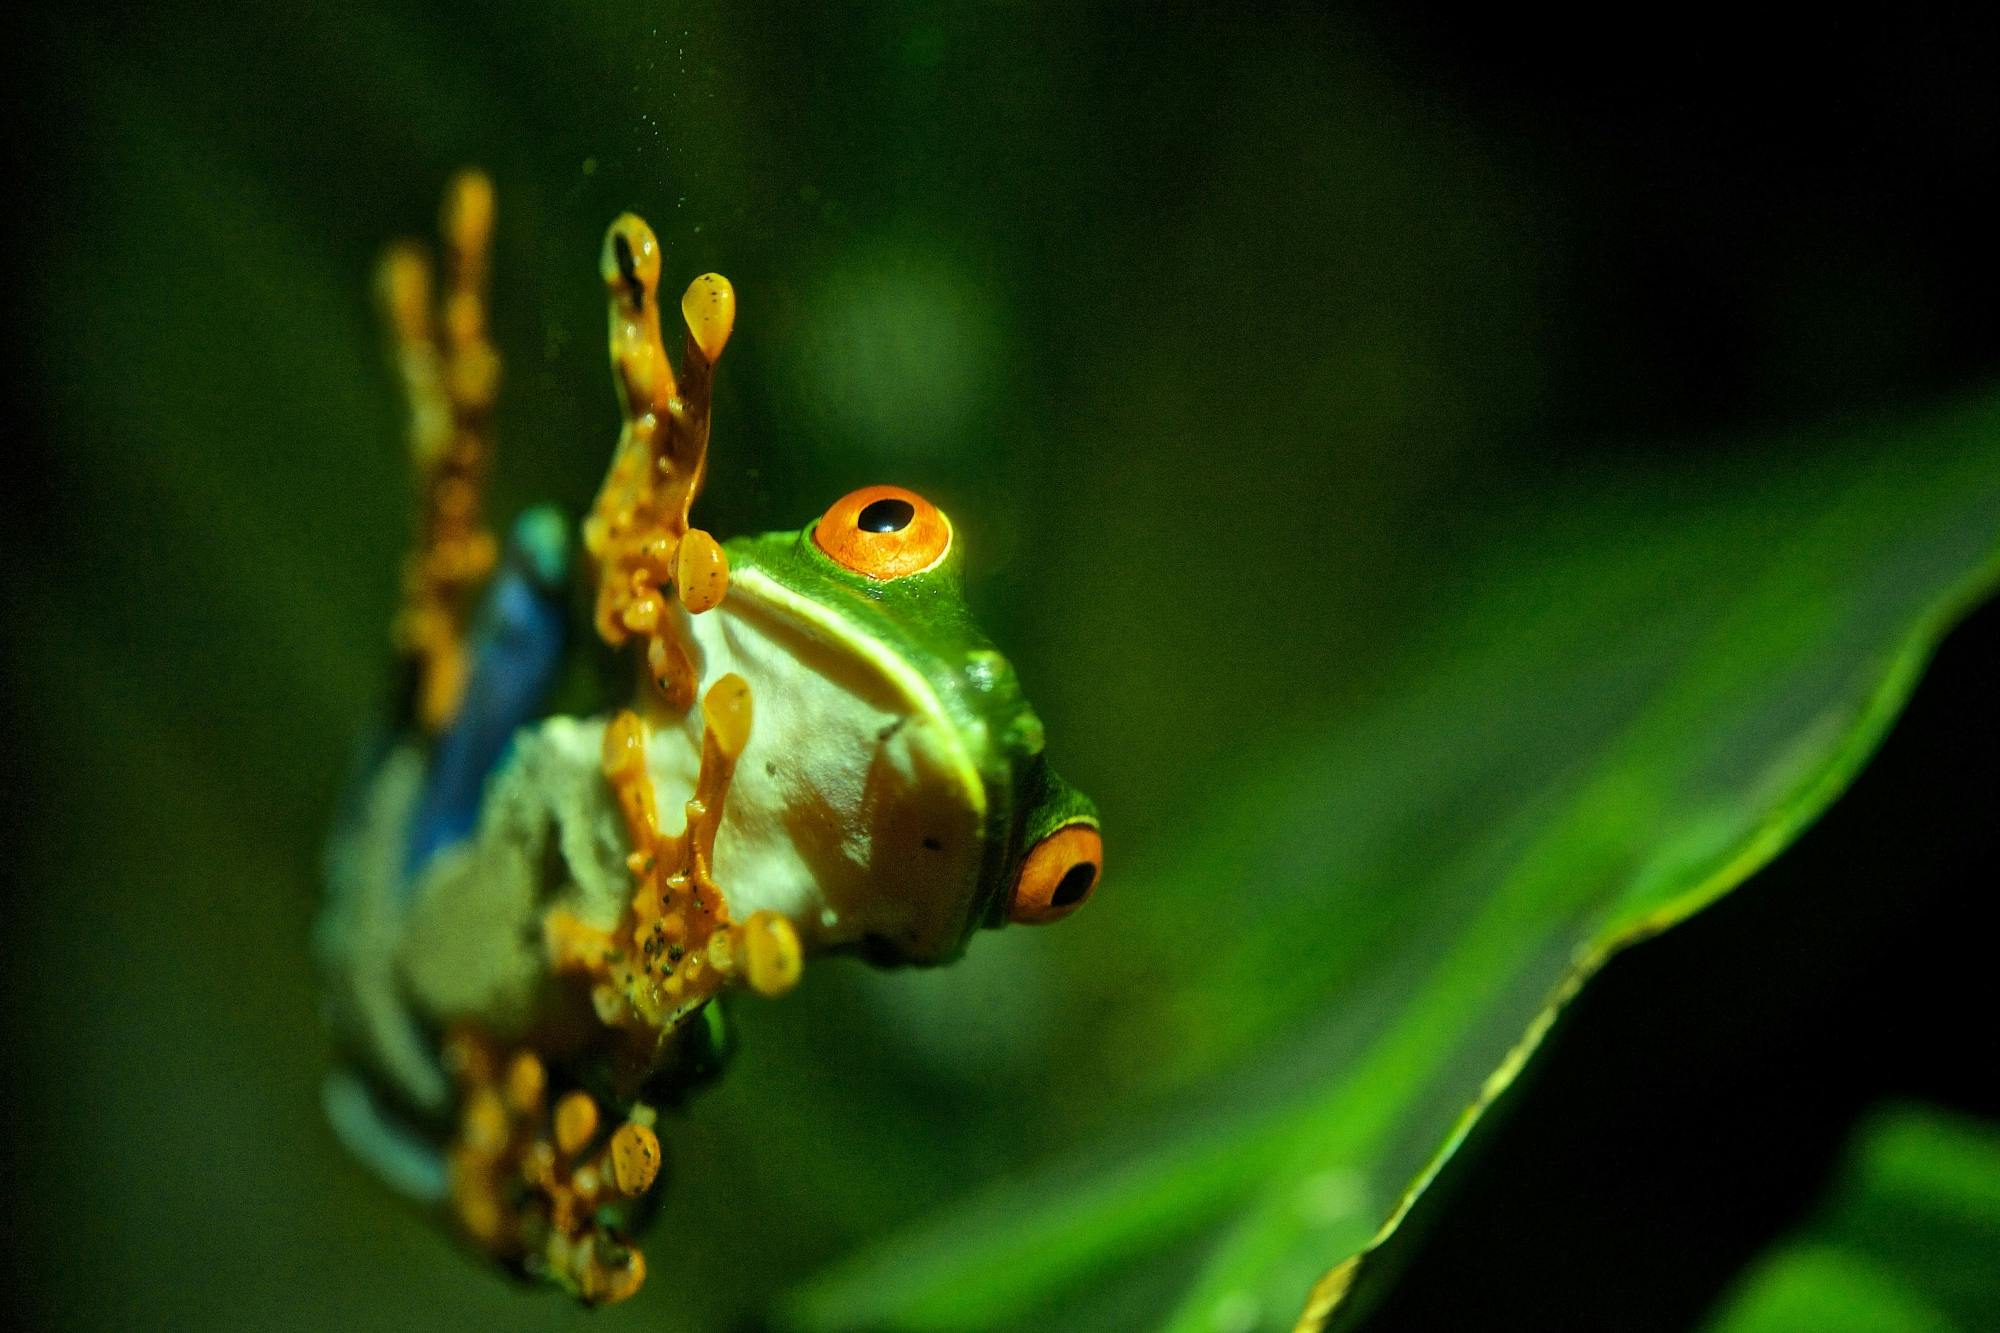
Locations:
(529, 916)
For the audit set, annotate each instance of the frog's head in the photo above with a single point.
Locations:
(894, 760)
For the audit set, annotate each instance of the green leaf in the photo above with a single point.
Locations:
(1651, 686)
(1906, 1238)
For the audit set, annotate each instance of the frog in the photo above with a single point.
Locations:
(534, 920)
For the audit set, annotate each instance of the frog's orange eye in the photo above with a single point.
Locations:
(884, 532)
(1058, 875)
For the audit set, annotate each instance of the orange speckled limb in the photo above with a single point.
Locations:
(451, 375)
(675, 945)
(638, 530)
(525, 1184)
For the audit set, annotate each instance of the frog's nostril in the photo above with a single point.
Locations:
(1075, 885)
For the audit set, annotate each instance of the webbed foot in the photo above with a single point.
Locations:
(675, 946)
(545, 1189)
(647, 556)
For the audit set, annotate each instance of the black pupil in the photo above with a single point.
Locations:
(1076, 882)
(889, 515)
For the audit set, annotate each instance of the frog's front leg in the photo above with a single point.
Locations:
(647, 555)
(451, 375)
(675, 945)
(519, 1182)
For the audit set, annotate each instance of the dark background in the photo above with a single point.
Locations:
(1739, 1048)
(1165, 257)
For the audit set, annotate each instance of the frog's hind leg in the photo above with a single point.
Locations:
(543, 1187)
(405, 1159)
(451, 375)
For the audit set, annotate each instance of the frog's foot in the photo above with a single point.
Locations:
(451, 375)
(647, 556)
(675, 945)
(545, 1190)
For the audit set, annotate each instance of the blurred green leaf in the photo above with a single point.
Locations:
(1905, 1240)
(1650, 689)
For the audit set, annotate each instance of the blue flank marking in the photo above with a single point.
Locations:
(517, 650)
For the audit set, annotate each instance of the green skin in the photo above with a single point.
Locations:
(401, 967)
(923, 621)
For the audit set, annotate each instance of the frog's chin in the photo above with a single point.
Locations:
(837, 818)
(856, 809)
